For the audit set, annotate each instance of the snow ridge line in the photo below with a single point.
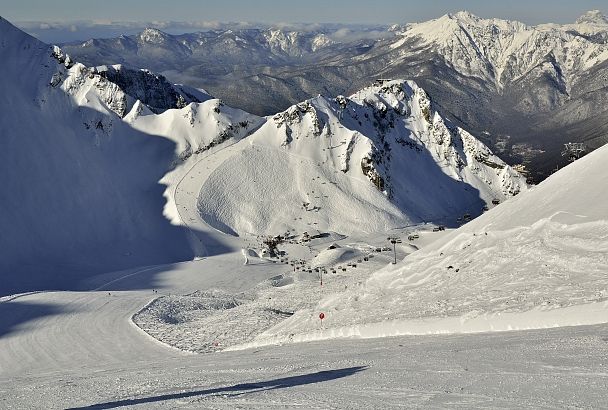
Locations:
(10, 298)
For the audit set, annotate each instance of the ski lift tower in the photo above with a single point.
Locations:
(394, 240)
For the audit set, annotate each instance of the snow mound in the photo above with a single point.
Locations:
(332, 257)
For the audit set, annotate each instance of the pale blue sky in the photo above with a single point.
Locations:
(344, 11)
(106, 13)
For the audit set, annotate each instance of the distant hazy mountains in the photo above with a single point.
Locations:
(527, 89)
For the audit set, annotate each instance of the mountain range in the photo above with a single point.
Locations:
(526, 90)
(111, 168)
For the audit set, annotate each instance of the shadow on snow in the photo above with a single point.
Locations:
(86, 201)
(14, 315)
(238, 389)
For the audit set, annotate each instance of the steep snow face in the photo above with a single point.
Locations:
(23, 54)
(382, 158)
(460, 155)
(196, 127)
(538, 260)
(195, 130)
(87, 190)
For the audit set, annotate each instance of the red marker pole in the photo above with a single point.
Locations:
(321, 316)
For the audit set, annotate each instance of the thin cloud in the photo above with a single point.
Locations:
(63, 32)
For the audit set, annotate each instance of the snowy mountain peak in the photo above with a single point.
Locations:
(385, 93)
(153, 36)
(594, 17)
(464, 15)
(390, 135)
(502, 51)
(464, 20)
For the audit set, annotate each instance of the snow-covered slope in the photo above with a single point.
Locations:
(538, 260)
(380, 159)
(84, 188)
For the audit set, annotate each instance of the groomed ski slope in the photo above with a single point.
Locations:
(81, 351)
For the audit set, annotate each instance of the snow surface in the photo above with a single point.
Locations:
(126, 337)
(79, 350)
(71, 182)
(358, 164)
(538, 260)
(135, 184)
